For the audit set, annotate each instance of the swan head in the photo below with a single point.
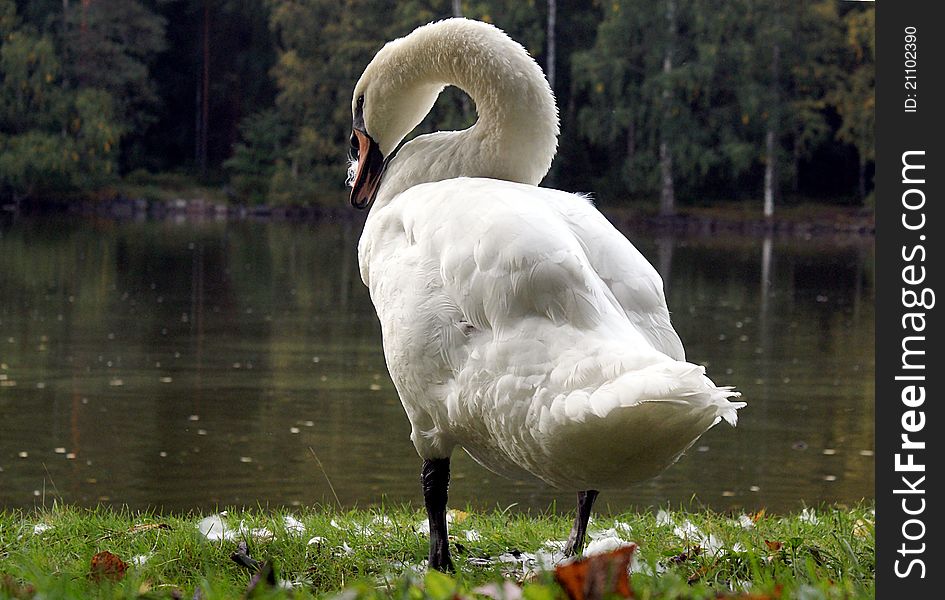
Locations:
(389, 101)
(515, 106)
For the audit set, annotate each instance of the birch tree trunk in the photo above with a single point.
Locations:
(771, 137)
(770, 173)
(667, 192)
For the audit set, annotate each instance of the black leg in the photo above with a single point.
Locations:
(435, 480)
(585, 501)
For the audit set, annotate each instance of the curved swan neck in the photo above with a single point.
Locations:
(518, 120)
(515, 136)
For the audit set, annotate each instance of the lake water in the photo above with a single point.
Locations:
(185, 366)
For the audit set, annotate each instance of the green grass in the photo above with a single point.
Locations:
(378, 553)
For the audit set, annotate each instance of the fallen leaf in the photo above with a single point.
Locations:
(685, 556)
(106, 565)
(862, 528)
(457, 516)
(698, 574)
(597, 576)
(774, 545)
(758, 515)
(10, 587)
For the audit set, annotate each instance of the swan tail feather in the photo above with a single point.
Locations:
(676, 382)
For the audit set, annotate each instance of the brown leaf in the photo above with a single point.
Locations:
(106, 565)
(758, 516)
(10, 587)
(774, 545)
(698, 574)
(597, 576)
(685, 556)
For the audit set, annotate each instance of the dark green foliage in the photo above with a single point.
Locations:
(256, 158)
(276, 117)
(53, 138)
(30, 94)
(107, 45)
(727, 89)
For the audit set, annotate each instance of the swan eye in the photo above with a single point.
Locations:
(361, 101)
(355, 147)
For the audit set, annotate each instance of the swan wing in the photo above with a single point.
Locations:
(635, 284)
(514, 250)
(504, 255)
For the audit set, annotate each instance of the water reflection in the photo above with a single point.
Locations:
(183, 366)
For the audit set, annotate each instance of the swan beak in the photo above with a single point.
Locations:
(370, 168)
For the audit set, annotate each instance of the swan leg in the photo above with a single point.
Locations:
(435, 480)
(585, 501)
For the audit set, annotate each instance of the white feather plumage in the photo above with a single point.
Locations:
(518, 323)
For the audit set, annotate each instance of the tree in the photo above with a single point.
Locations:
(255, 159)
(321, 50)
(241, 52)
(109, 45)
(643, 84)
(52, 138)
(673, 100)
(689, 99)
(30, 96)
(854, 98)
(667, 189)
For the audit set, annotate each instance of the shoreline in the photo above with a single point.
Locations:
(828, 220)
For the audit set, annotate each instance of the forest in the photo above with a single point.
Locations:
(663, 102)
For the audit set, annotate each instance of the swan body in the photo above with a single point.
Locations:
(518, 323)
(503, 337)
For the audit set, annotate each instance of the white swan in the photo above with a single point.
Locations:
(517, 322)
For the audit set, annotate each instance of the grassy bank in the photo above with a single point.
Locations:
(823, 553)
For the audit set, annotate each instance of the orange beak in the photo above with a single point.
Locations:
(370, 169)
